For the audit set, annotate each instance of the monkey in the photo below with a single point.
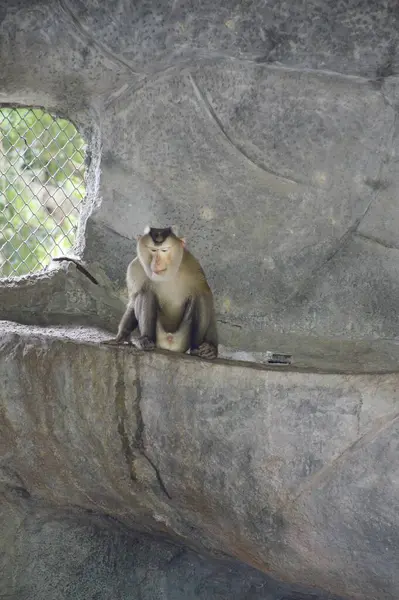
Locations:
(169, 298)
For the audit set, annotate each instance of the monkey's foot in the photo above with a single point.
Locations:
(144, 343)
(205, 350)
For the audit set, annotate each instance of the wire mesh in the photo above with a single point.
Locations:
(42, 186)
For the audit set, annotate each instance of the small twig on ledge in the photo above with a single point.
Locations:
(78, 265)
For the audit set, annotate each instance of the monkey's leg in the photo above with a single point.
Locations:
(146, 309)
(126, 326)
(204, 339)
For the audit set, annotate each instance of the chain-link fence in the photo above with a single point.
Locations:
(42, 185)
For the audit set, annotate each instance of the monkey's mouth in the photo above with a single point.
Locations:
(159, 272)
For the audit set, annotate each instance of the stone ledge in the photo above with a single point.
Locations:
(293, 472)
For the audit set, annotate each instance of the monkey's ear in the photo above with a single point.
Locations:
(175, 230)
(183, 242)
(139, 237)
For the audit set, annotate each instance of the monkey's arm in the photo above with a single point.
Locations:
(134, 280)
(146, 309)
(127, 325)
(141, 311)
(204, 337)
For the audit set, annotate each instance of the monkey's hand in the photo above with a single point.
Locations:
(205, 350)
(144, 343)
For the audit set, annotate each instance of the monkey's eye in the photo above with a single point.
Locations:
(164, 249)
(152, 250)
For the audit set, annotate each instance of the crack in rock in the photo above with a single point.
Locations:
(92, 40)
(139, 437)
(213, 117)
(121, 414)
(129, 448)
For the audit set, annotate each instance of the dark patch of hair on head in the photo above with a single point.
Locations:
(159, 235)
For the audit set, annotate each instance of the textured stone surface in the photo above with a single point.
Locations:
(62, 296)
(75, 555)
(294, 473)
(267, 132)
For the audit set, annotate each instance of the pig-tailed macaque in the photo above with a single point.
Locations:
(169, 298)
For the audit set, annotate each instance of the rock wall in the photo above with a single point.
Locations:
(75, 555)
(267, 132)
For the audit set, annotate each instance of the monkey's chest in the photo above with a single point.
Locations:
(171, 333)
(170, 317)
(171, 307)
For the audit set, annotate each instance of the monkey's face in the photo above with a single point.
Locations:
(160, 252)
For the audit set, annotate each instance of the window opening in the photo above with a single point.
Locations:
(42, 187)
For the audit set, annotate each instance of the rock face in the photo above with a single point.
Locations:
(69, 555)
(268, 132)
(292, 473)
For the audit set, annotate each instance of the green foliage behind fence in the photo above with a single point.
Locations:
(42, 186)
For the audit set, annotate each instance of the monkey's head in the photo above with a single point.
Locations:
(160, 251)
